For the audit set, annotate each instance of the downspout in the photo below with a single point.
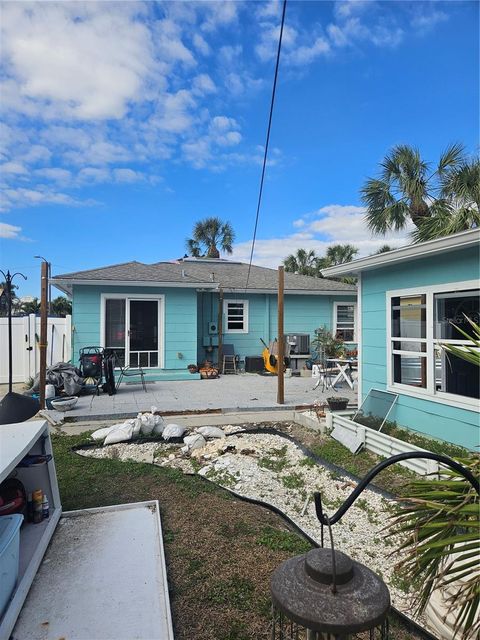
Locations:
(220, 329)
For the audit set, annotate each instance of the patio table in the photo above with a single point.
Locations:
(344, 366)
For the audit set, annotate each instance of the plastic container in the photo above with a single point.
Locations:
(9, 556)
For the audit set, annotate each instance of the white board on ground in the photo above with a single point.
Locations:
(103, 577)
(353, 442)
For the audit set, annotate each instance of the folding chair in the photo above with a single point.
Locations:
(128, 372)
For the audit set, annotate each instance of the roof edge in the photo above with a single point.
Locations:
(422, 249)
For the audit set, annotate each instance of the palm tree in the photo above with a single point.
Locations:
(339, 254)
(32, 306)
(383, 249)
(209, 233)
(304, 262)
(460, 210)
(407, 189)
(61, 306)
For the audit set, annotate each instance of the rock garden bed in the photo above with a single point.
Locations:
(273, 469)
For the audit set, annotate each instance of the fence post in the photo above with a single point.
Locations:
(32, 330)
(67, 341)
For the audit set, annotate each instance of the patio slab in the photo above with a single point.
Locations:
(227, 393)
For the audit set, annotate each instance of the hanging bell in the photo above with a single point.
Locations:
(324, 594)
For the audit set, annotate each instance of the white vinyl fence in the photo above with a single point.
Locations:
(25, 341)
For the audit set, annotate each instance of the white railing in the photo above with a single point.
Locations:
(383, 444)
(25, 345)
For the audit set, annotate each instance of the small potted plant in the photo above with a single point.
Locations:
(337, 403)
(192, 368)
(328, 344)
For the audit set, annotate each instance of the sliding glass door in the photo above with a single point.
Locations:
(143, 333)
(132, 327)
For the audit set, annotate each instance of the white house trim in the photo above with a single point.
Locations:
(420, 250)
(135, 296)
(428, 393)
(359, 338)
(345, 303)
(245, 316)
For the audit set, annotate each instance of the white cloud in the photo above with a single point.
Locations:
(201, 44)
(219, 14)
(9, 231)
(332, 224)
(203, 84)
(12, 167)
(426, 16)
(306, 54)
(23, 197)
(101, 57)
(127, 175)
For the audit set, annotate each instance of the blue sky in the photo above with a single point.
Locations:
(124, 123)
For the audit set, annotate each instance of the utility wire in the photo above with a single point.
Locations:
(267, 141)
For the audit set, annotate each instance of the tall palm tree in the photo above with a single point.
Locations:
(32, 306)
(383, 249)
(408, 189)
(303, 262)
(61, 306)
(339, 254)
(460, 199)
(211, 233)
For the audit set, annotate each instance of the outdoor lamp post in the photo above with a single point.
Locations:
(14, 407)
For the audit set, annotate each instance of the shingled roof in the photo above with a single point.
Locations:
(200, 273)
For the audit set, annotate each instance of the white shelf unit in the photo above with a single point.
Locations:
(16, 441)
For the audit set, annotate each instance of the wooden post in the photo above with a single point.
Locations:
(220, 329)
(43, 331)
(281, 339)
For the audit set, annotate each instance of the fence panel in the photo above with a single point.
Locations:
(25, 345)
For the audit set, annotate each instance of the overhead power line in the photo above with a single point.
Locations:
(267, 141)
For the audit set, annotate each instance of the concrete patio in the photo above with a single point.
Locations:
(227, 393)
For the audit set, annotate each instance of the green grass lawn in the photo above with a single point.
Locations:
(220, 551)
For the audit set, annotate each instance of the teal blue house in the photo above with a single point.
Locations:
(410, 302)
(164, 316)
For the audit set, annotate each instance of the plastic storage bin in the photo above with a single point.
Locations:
(9, 555)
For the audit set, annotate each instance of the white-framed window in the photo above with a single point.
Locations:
(344, 321)
(235, 316)
(419, 322)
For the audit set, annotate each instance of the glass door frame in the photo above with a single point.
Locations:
(136, 297)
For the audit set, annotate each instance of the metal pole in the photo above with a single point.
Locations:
(281, 339)
(220, 329)
(8, 282)
(43, 331)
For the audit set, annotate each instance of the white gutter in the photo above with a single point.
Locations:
(133, 283)
(295, 292)
(421, 250)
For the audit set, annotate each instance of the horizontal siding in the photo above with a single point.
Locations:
(180, 320)
(426, 416)
(302, 314)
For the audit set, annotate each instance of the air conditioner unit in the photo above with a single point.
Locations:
(299, 343)
(212, 329)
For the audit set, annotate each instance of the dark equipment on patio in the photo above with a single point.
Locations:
(14, 407)
(91, 367)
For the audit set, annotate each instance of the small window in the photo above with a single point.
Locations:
(344, 322)
(236, 316)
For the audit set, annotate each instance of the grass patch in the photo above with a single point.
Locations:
(293, 481)
(393, 479)
(278, 540)
(307, 462)
(275, 460)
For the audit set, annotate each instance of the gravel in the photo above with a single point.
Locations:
(273, 469)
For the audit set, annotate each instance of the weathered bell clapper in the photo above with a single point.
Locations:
(325, 595)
